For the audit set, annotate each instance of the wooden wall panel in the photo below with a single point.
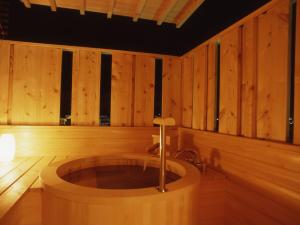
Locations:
(229, 114)
(122, 90)
(36, 85)
(187, 91)
(249, 79)
(211, 86)
(144, 91)
(86, 88)
(245, 206)
(200, 88)
(273, 30)
(4, 81)
(171, 89)
(297, 80)
(270, 170)
(83, 140)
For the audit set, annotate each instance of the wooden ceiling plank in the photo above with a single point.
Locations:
(187, 11)
(82, 7)
(27, 3)
(163, 10)
(111, 8)
(139, 9)
(52, 5)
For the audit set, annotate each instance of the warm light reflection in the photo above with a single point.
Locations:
(7, 147)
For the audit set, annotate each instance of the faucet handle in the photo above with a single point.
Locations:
(169, 121)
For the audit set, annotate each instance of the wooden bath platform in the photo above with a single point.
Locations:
(20, 190)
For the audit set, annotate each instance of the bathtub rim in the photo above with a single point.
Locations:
(52, 183)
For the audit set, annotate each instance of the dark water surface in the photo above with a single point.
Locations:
(118, 177)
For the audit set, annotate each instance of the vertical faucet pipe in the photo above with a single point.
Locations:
(162, 172)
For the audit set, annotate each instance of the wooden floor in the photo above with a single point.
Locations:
(19, 183)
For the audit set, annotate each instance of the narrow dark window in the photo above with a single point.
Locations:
(291, 82)
(66, 88)
(105, 89)
(158, 88)
(217, 100)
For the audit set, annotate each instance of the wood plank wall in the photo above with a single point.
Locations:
(144, 91)
(273, 45)
(33, 72)
(85, 88)
(264, 176)
(35, 86)
(83, 140)
(297, 80)
(254, 78)
(4, 81)
(171, 89)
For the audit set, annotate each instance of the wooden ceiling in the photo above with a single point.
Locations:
(168, 11)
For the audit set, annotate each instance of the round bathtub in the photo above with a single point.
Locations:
(119, 190)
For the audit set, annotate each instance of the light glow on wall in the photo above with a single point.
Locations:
(7, 147)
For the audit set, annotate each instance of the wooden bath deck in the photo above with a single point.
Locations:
(18, 176)
(22, 176)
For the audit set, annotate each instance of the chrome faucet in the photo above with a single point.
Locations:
(192, 156)
(163, 122)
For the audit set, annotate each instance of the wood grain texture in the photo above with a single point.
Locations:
(200, 88)
(187, 91)
(211, 87)
(229, 114)
(245, 206)
(297, 80)
(249, 79)
(36, 85)
(273, 30)
(171, 89)
(4, 81)
(144, 91)
(270, 169)
(83, 140)
(122, 90)
(184, 203)
(86, 88)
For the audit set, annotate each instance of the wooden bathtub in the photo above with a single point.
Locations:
(77, 203)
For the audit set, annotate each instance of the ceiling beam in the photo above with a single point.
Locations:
(111, 8)
(27, 3)
(186, 12)
(52, 5)
(82, 7)
(163, 10)
(139, 9)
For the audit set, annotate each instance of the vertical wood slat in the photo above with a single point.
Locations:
(36, 85)
(297, 80)
(229, 116)
(4, 81)
(171, 89)
(211, 87)
(200, 88)
(187, 91)
(86, 88)
(121, 90)
(273, 30)
(249, 79)
(144, 91)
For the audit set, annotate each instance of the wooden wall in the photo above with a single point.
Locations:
(83, 140)
(264, 176)
(253, 105)
(31, 82)
(297, 80)
(253, 78)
